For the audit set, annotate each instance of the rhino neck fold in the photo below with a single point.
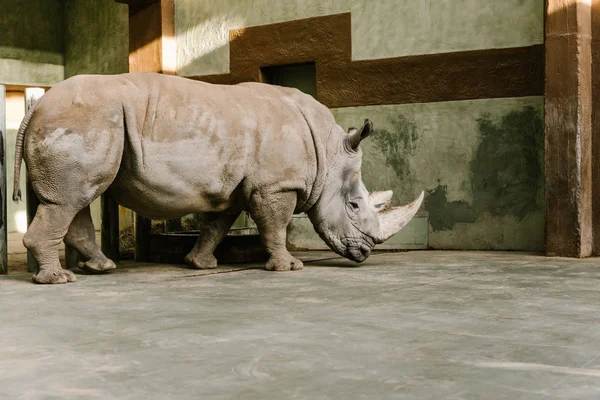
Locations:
(319, 181)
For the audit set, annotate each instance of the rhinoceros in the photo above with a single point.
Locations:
(167, 146)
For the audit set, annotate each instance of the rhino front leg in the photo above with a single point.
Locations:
(272, 214)
(214, 229)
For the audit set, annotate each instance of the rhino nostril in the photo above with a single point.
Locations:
(365, 252)
(365, 249)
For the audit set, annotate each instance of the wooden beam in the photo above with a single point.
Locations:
(3, 192)
(21, 88)
(568, 125)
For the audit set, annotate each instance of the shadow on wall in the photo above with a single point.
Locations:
(506, 174)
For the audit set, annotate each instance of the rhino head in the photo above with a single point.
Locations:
(346, 216)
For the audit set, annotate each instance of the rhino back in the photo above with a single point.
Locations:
(205, 144)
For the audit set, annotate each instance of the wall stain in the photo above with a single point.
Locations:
(508, 168)
(397, 144)
(443, 214)
(506, 173)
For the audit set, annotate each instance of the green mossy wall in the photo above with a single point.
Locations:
(31, 42)
(96, 37)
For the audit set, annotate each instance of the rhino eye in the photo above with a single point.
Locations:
(354, 205)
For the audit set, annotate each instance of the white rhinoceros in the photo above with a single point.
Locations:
(167, 146)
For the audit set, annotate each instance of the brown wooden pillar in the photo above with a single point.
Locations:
(151, 49)
(596, 124)
(151, 36)
(568, 114)
(3, 191)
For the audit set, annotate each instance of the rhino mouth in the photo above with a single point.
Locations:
(353, 248)
(357, 249)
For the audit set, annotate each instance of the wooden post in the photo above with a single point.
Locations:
(110, 228)
(3, 192)
(596, 123)
(568, 115)
(32, 95)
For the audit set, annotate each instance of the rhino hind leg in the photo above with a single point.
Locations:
(214, 229)
(43, 239)
(67, 174)
(272, 214)
(82, 236)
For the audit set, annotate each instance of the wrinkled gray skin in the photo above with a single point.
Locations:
(167, 146)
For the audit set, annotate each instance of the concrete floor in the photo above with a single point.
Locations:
(416, 325)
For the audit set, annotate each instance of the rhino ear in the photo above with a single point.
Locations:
(356, 135)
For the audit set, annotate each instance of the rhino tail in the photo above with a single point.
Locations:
(19, 152)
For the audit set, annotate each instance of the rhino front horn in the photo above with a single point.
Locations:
(391, 221)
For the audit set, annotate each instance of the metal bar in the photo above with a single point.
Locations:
(174, 225)
(110, 228)
(72, 257)
(143, 227)
(3, 191)
(32, 95)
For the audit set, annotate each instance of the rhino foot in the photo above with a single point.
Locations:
(287, 263)
(197, 262)
(53, 276)
(97, 265)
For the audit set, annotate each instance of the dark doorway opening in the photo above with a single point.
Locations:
(300, 76)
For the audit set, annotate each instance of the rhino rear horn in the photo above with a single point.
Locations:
(391, 221)
(356, 135)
